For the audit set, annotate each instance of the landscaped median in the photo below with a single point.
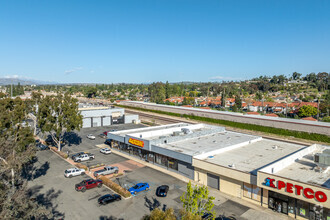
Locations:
(115, 187)
(62, 154)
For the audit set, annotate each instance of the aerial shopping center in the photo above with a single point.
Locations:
(290, 178)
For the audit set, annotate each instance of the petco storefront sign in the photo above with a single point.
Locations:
(296, 189)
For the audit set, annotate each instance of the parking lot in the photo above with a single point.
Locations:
(49, 186)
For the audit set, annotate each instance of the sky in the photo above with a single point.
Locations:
(130, 41)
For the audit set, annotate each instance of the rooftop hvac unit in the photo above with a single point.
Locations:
(186, 130)
(177, 133)
(322, 159)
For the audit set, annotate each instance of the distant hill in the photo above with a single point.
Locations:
(15, 81)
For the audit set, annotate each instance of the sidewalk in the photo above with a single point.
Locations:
(254, 212)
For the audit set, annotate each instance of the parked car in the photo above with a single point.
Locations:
(106, 171)
(108, 142)
(105, 133)
(103, 200)
(50, 141)
(77, 155)
(162, 191)
(138, 188)
(105, 150)
(209, 215)
(91, 137)
(42, 147)
(73, 172)
(88, 184)
(84, 157)
(103, 136)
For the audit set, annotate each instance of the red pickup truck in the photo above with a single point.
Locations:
(88, 184)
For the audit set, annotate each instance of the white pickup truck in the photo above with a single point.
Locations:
(73, 172)
(106, 171)
(84, 157)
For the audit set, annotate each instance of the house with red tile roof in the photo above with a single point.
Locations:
(309, 119)
(271, 115)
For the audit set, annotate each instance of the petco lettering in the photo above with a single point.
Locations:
(298, 190)
(136, 142)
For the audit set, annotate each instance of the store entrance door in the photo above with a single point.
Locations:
(315, 215)
(278, 202)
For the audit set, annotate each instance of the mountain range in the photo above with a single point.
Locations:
(15, 81)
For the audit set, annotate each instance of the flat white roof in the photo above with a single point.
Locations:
(203, 145)
(254, 156)
(92, 108)
(306, 170)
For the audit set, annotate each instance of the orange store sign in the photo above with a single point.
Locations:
(297, 189)
(136, 142)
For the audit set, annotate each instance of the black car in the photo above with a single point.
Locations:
(208, 215)
(103, 136)
(103, 200)
(42, 147)
(162, 191)
(77, 155)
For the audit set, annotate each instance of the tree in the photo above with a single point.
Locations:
(238, 102)
(259, 96)
(197, 200)
(91, 92)
(2, 95)
(296, 75)
(167, 90)
(58, 114)
(158, 214)
(17, 152)
(223, 98)
(306, 111)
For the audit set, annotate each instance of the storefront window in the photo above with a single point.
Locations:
(162, 160)
(326, 214)
(173, 163)
(252, 192)
(151, 157)
(247, 190)
(303, 209)
(316, 212)
(291, 205)
(256, 193)
(137, 152)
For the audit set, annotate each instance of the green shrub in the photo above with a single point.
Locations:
(265, 129)
(115, 187)
(81, 166)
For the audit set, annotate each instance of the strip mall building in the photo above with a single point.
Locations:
(279, 175)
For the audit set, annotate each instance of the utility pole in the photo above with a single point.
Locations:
(11, 90)
(318, 108)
